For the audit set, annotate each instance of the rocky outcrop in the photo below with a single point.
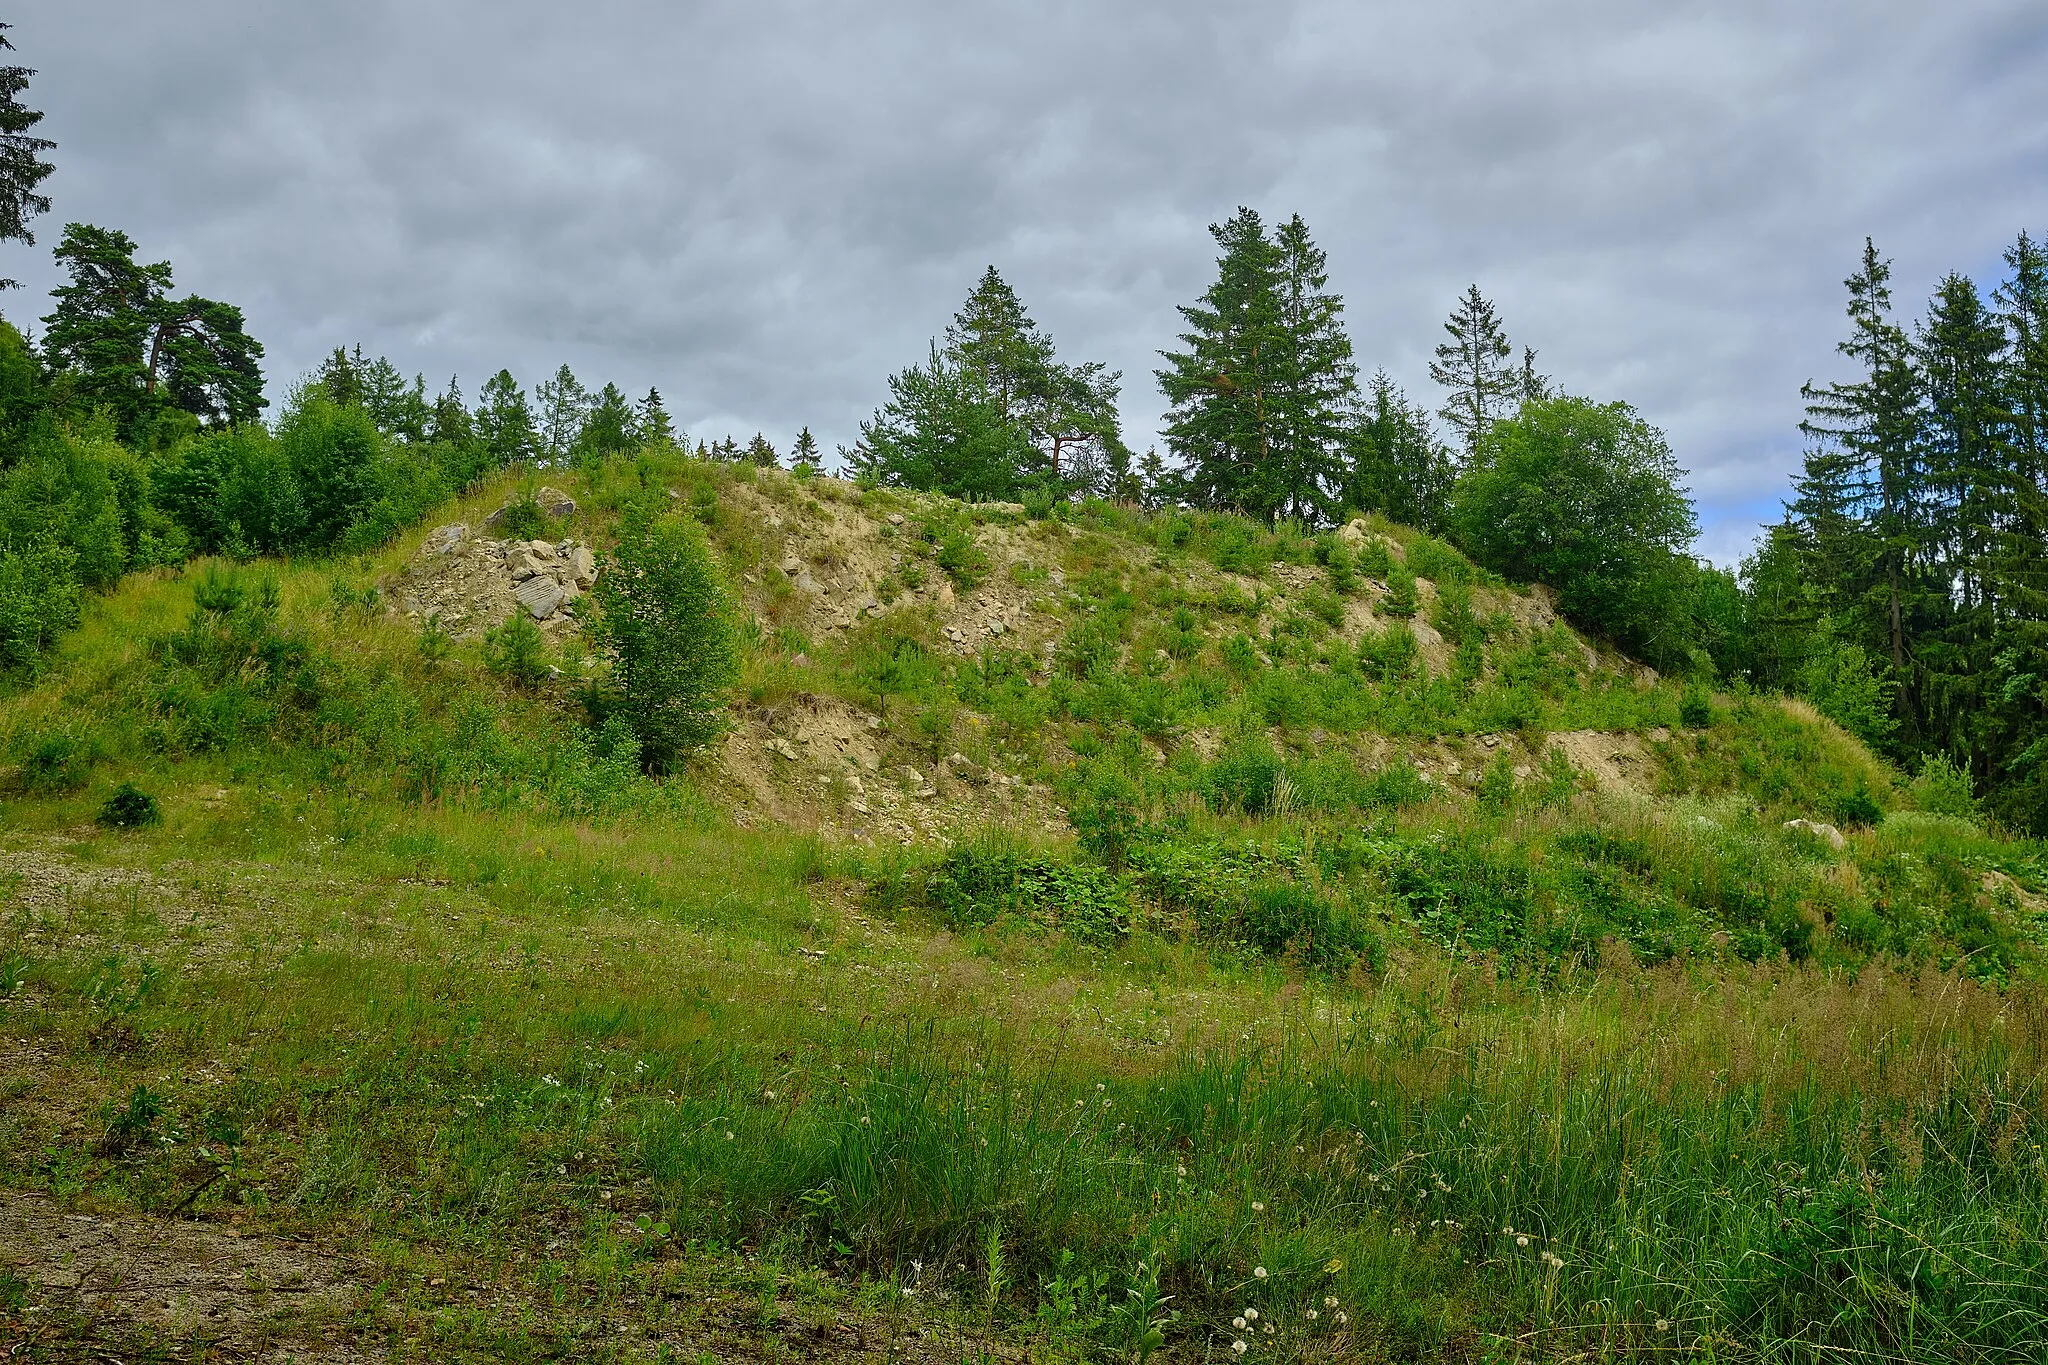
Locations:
(473, 583)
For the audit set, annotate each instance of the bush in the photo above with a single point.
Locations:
(1857, 807)
(666, 619)
(1944, 787)
(129, 807)
(517, 652)
(39, 596)
(55, 763)
(522, 518)
(1696, 709)
(1400, 599)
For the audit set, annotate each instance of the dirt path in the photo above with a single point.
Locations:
(231, 1296)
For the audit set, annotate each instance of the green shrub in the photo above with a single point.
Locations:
(129, 807)
(1857, 807)
(1400, 599)
(1373, 559)
(517, 651)
(39, 597)
(1497, 783)
(667, 621)
(1944, 787)
(1696, 709)
(522, 518)
(55, 762)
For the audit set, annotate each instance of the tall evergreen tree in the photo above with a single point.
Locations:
(504, 420)
(564, 404)
(1258, 394)
(22, 168)
(942, 431)
(449, 422)
(1476, 366)
(1862, 498)
(761, 453)
(651, 424)
(607, 425)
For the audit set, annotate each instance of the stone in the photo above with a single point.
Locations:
(555, 502)
(910, 777)
(1822, 831)
(442, 539)
(540, 595)
(782, 749)
(997, 626)
(526, 558)
(895, 518)
(582, 566)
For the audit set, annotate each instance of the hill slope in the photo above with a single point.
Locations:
(1090, 929)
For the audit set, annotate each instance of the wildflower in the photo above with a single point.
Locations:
(1239, 1347)
(1267, 1329)
(1238, 1323)
(1522, 1242)
(865, 1120)
(1100, 1086)
(1553, 1260)
(1257, 1207)
(1259, 1272)
(768, 1095)
(1251, 1315)
(1329, 1300)
(1180, 1170)
(1343, 1318)
(728, 1135)
(1313, 1315)
(1663, 1324)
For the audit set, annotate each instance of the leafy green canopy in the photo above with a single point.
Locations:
(1584, 497)
(667, 619)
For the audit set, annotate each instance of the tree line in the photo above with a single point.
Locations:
(1903, 591)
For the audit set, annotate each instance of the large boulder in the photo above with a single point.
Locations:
(540, 595)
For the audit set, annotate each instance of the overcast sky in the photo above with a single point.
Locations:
(766, 206)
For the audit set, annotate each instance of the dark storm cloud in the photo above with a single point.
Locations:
(766, 207)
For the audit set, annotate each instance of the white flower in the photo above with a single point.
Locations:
(1257, 1207)
(1267, 1329)
(1180, 1170)
(1329, 1300)
(1251, 1315)
(1259, 1272)
(728, 1135)
(1238, 1346)
(1343, 1318)
(1521, 1241)
(1313, 1315)
(1238, 1323)
(1663, 1324)
(768, 1094)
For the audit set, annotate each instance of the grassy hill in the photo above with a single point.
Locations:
(1102, 935)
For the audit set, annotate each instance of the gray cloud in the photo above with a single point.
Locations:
(766, 207)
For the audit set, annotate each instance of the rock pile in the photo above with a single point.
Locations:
(473, 583)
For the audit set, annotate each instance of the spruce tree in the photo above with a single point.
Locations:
(803, 455)
(761, 453)
(1862, 499)
(504, 420)
(1476, 366)
(607, 425)
(1224, 423)
(1318, 380)
(22, 168)
(1394, 462)
(651, 424)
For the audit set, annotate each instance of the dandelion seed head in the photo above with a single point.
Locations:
(1257, 1207)
(1239, 1347)
(1238, 1323)
(1259, 1272)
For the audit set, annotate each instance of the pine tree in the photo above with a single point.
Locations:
(1965, 459)
(942, 431)
(1395, 463)
(1224, 421)
(761, 453)
(1862, 496)
(607, 425)
(1475, 366)
(1533, 387)
(22, 167)
(130, 346)
(564, 404)
(804, 454)
(651, 424)
(504, 420)
(449, 422)
(1317, 380)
